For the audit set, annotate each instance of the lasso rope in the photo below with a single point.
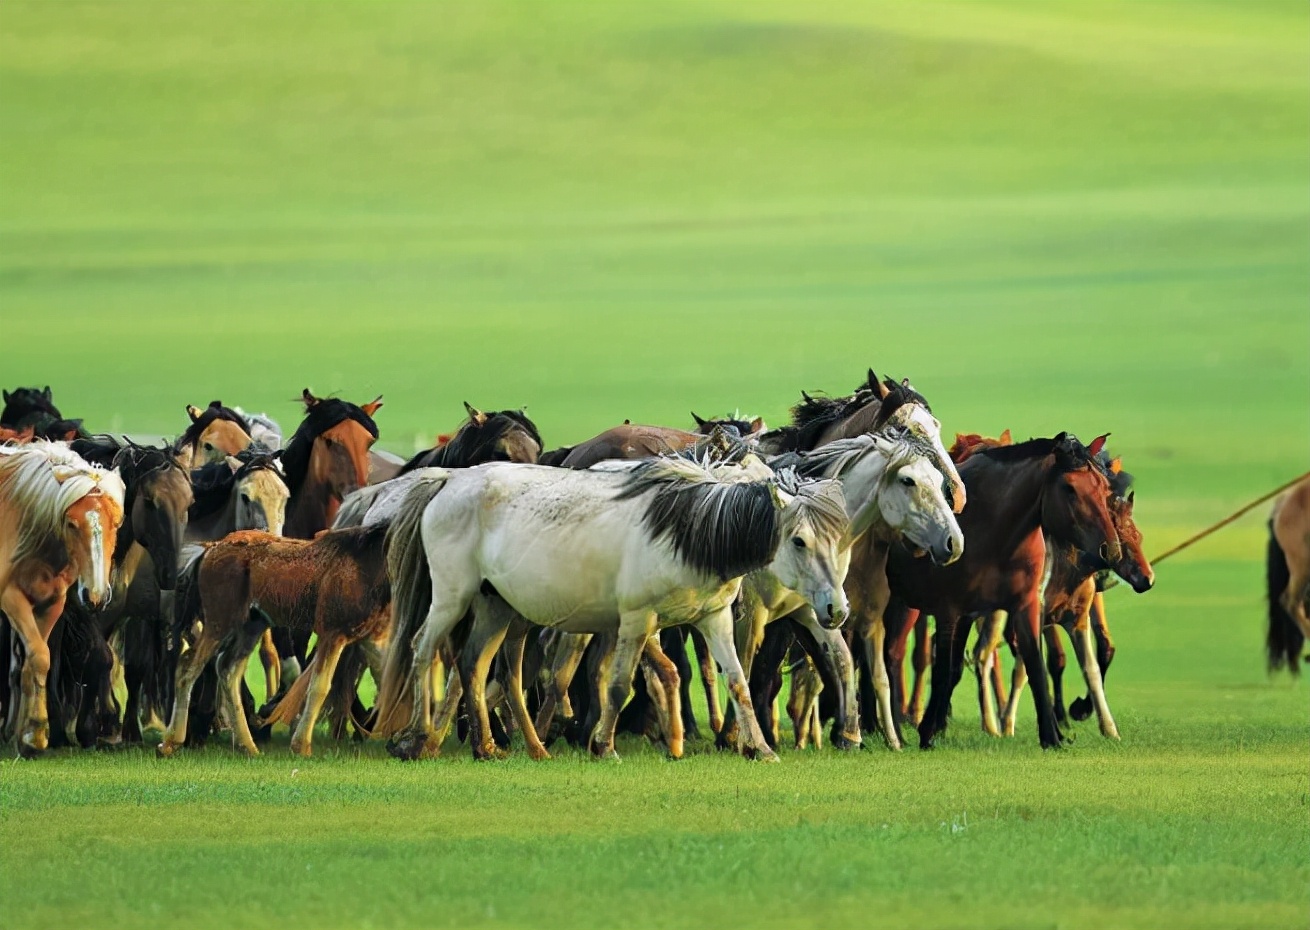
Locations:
(1191, 540)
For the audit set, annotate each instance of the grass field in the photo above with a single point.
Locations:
(1086, 216)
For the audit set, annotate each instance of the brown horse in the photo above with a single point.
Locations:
(213, 434)
(335, 586)
(1288, 577)
(633, 441)
(1021, 496)
(325, 460)
(32, 412)
(59, 519)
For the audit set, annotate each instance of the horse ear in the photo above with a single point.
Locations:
(308, 398)
(46, 393)
(233, 463)
(757, 425)
(627, 422)
(193, 412)
(372, 406)
(6, 393)
(699, 421)
(879, 388)
(1131, 495)
(1098, 444)
(476, 416)
(1006, 439)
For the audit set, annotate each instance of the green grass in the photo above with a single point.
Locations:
(1087, 216)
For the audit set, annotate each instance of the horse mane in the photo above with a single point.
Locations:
(815, 413)
(42, 480)
(212, 484)
(319, 418)
(718, 527)
(215, 411)
(473, 444)
(820, 502)
(1069, 452)
(35, 407)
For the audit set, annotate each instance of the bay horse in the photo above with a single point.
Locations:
(629, 441)
(1287, 572)
(632, 548)
(1022, 496)
(500, 436)
(325, 460)
(1068, 599)
(59, 520)
(213, 434)
(32, 411)
(334, 586)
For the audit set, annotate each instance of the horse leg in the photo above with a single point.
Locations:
(569, 648)
(709, 678)
(1055, 665)
(991, 630)
(268, 657)
(232, 663)
(635, 627)
(665, 674)
(189, 666)
(515, 642)
(939, 701)
(34, 732)
(717, 628)
(327, 654)
(1027, 621)
(896, 619)
(1084, 648)
(998, 678)
(99, 683)
(421, 739)
(1082, 707)
(803, 705)
(485, 635)
(1018, 679)
(922, 663)
(833, 661)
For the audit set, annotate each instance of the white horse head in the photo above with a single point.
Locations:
(813, 555)
(912, 500)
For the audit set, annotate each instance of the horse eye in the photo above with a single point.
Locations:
(208, 447)
(907, 481)
(245, 498)
(798, 542)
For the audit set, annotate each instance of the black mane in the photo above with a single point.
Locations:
(212, 484)
(815, 413)
(722, 529)
(215, 411)
(473, 444)
(135, 464)
(319, 418)
(35, 407)
(1069, 452)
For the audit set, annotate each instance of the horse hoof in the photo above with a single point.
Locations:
(538, 754)
(27, 751)
(1080, 709)
(304, 751)
(165, 750)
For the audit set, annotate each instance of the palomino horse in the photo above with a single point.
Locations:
(213, 434)
(59, 519)
(633, 548)
(500, 436)
(32, 411)
(1288, 576)
(1021, 496)
(335, 586)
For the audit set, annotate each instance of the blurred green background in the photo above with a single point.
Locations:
(1086, 216)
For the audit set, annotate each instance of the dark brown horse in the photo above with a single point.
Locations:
(634, 441)
(1020, 495)
(31, 412)
(500, 436)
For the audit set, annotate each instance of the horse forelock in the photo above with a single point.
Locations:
(319, 418)
(819, 503)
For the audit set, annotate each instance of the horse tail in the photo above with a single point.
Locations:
(293, 702)
(354, 507)
(411, 597)
(1284, 639)
(187, 608)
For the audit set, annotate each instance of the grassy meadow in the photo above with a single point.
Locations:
(1084, 216)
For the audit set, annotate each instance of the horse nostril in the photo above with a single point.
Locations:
(831, 611)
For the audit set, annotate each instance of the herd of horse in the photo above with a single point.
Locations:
(475, 581)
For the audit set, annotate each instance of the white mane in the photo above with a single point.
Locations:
(42, 480)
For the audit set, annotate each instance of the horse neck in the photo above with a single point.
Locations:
(311, 508)
(861, 479)
(215, 525)
(1011, 494)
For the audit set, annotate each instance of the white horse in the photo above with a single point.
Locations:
(893, 491)
(630, 548)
